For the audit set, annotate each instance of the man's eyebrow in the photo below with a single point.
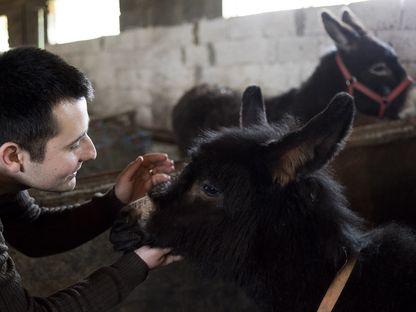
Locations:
(78, 138)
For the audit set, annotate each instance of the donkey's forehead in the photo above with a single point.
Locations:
(236, 143)
(377, 47)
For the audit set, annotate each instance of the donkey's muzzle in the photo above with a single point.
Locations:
(161, 189)
(127, 232)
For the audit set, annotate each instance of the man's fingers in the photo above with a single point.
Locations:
(157, 162)
(156, 257)
(163, 169)
(159, 178)
(145, 172)
(154, 158)
(171, 259)
(154, 180)
(165, 251)
(130, 170)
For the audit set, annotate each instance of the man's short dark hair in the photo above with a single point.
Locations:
(32, 82)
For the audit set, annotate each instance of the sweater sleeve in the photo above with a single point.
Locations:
(56, 229)
(101, 291)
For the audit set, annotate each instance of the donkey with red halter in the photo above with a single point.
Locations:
(256, 206)
(382, 100)
(362, 65)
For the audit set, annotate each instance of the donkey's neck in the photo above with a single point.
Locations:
(320, 88)
(312, 96)
(296, 267)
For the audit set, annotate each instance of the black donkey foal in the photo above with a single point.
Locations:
(256, 206)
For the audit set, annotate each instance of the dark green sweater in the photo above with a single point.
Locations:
(38, 231)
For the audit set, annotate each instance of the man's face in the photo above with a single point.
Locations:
(64, 153)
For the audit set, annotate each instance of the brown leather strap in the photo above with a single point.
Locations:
(336, 287)
(138, 210)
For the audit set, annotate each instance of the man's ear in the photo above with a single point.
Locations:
(11, 157)
(314, 145)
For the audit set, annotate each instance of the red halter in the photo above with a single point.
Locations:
(383, 101)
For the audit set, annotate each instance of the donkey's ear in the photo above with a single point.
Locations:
(252, 110)
(352, 20)
(345, 37)
(315, 144)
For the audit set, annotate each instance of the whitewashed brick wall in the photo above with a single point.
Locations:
(149, 69)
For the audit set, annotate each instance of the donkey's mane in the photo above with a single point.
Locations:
(244, 138)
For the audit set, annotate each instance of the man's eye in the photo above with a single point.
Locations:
(74, 146)
(210, 190)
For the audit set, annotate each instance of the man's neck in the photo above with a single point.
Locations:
(9, 186)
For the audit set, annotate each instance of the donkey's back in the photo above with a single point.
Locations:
(384, 277)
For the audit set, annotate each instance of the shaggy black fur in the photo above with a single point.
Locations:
(373, 62)
(256, 206)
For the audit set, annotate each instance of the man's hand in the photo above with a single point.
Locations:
(141, 175)
(156, 257)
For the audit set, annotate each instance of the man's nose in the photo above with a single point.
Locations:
(90, 152)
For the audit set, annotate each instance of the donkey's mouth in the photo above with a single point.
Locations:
(139, 211)
(159, 190)
(130, 230)
(409, 108)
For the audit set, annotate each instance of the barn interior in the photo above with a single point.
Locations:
(143, 55)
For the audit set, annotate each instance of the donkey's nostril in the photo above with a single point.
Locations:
(161, 188)
(385, 90)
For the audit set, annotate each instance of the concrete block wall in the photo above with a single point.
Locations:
(148, 69)
(144, 13)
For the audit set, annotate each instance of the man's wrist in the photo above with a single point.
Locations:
(132, 269)
(123, 202)
(113, 202)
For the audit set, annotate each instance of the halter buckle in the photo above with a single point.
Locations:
(350, 81)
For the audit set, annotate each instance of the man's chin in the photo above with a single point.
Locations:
(71, 184)
(68, 185)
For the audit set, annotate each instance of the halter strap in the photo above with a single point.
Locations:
(336, 287)
(383, 101)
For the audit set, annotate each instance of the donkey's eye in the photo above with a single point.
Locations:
(210, 190)
(380, 69)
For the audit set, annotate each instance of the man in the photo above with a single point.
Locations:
(43, 143)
